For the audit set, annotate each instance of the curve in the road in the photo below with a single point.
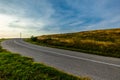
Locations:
(98, 67)
(70, 56)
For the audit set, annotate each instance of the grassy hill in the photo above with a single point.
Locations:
(16, 67)
(101, 42)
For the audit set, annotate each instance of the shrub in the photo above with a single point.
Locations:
(33, 38)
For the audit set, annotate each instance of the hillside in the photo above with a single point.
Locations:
(101, 42)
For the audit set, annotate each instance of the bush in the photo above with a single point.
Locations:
(33, 38)
(0, 48)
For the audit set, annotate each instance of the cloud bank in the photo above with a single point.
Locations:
(39, 17)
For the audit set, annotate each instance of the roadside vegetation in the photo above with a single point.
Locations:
(100, 42)
(16, 67)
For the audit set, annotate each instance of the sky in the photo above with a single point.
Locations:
(41, 17)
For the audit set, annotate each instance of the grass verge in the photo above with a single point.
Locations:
(16, 67)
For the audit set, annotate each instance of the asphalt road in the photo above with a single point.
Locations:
(80, 64)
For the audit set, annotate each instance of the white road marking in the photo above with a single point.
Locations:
(69, 55)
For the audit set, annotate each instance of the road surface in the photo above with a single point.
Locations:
(77, 63)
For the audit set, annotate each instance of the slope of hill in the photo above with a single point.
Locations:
(101, 42)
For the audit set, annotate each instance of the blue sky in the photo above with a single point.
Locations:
(39, 17)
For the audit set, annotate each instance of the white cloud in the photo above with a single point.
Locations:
(76, 23)
(11, 25)
(5, 20)
(107, 23)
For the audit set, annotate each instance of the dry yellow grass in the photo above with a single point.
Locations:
(103, 42)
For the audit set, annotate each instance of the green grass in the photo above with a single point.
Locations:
(16, 67)
(100, 42)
